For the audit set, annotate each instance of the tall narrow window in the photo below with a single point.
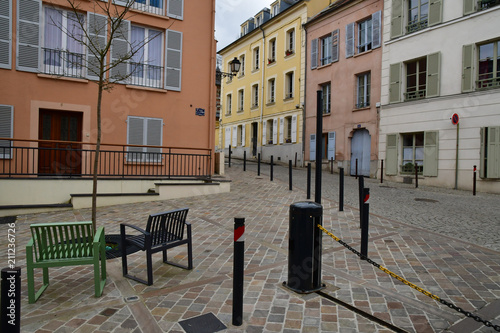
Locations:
(418, 15)
(289, 85)
(326, 89)
(242, 66)
(255, 95)
(256, 58)
(413, 152)
(272, 51)
(326, 50)
(365, 35)
(271, 84)
(416, 78)
(146, 64)
(241, 95)
(363, 91)
(489, 66)
(229, 102)
(290, 42)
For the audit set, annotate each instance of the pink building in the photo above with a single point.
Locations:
(344, 62)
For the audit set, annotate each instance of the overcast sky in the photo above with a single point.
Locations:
(230, 14)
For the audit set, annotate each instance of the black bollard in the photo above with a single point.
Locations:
(258, 164)
(474, 182)
(341, 189)
(11, 300)
(238, 270)
(356, 169)
(309, 181)
(290, 175)
(365, 222)
(382, 172)
(244, 160)
(416, 175)
(229, 156)
(271, 176)
(331, 165)
(295, 159)
(361, 185)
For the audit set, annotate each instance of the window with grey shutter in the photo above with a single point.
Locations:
(314, 53)
(294, 129)
(435, 12)
(376, 29)
(144, 132)
(349, 40)
(335, 45)
(467, 65)
(397, 18)
(153, 138)
(6, 130)
(275, 131)
(391, 154)
(431, 153)
(97, 32)
(173, 60)
(175, 9)
(395, 83)
(312, 147)
(433, 75)
(331, 145)
(493, 152)
(282, 130)
(469, 6)
(264, 133)
(28, 35)
(5, 34)
(120, 51)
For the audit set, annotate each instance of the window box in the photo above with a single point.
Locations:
(410, 168)
(288, 140)
(271, 61)
(289, 52)
(270, 142)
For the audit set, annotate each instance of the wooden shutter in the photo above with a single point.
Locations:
(469, 6)
(97, 31)
(154, 138)
(6, 129)
(314, 53)
(349, 40)
(275, 131)
(243, 139)
(467, 66)
(173, 60)
(433, 69)
(397, 18)
(175, 9)
(493, 158)
(28, 35)
(120, 51)
(235, 136)
(335, 45)
(264, 133)
(282, 130)
(431, 153)
(395, 83)
(5, 34)
(135, 136)
(312, 147)
(391, 155)
(294, 129)
(331, 145)
(482, 153)
(435, 12)
(376, 29)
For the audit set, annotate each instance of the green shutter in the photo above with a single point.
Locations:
(433, 68)
(395, 83)
(391, 155)
(493, 162)
(431, 153)
(467, 64)
(397, 18)
(469, 6)
(435, 12)
(482, 154)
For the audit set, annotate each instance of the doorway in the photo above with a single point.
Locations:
(361, 151)
(255, 134)
(60, 158)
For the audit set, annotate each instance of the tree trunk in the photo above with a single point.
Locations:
(96, 159)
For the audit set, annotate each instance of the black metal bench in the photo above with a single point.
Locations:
(163, 231)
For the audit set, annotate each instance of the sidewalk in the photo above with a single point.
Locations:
(457, 271)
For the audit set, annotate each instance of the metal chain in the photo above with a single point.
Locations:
(408, 283)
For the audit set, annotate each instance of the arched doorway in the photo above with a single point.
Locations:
(361, 150)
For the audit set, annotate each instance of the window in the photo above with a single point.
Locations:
(416, 76)
(255, 95)
(363, 90)
(368, 35)
(145, 132)
(326, 89)
(241, 95)
(229, 101)
(413, 152)
(490, 152)
(325, 49)
(290, 42)
(241, 135)
(275, 10)
(62, 54)
(272, 131)
(258, 20)
(288, 129)
(6, 130)
(242, 66)
(471, 6)
(289, 85)
(271, 92)
(489, 66)
(272, 51)
(365, 35)
(146, 64)
(256, 59)
(229, 77)
(409, 16)
(418, 15)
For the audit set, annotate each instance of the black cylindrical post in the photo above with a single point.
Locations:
(295, 159)
(11, 300)
(229, 155)
(290, 175)
(258, 164)
(474, 182)
(356, 171)
(309, 181)
(319, 144)
(244, 160)
(238, 266)
(331, 165)
(271, 166)
(416, 175)
(304, 247)
(341, 189)
(361, 185)
(382, 172)
(365, 222)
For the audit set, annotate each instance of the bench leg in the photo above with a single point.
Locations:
(32, 295)
(99, 268)
(190, 258)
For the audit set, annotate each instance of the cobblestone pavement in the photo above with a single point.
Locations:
(455, 270)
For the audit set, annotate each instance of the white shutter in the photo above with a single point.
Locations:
(243, 135)
(6, 129)
(175, 9)
(28, 35)
(264, 133)
(227, 137)
(349, 40)
(120, 50)
(331, 145)
(275, 131)
(294, 129)
(97, 32)
(376, 25)
(235, 136)
(5, 34)
(312, 148)
(314, 53)
(173, 60)
(282, 130)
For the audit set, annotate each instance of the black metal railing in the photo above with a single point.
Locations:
(146, 75)
(412, 95)
(490, 83)
(485, 4)
(62, 63)
(46, 158)
(416, 26)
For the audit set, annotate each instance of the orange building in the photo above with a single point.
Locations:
(48, 98)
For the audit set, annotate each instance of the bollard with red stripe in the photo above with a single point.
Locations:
(238, 268)
(365, 212)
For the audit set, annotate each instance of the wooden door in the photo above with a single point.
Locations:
(60, 158)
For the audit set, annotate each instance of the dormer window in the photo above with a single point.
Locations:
(275, 10)
(258, 20)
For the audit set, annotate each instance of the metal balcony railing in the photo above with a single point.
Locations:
(62, 63)
(490, 83)
(485, 4)
(416, 26)
(146, 75)
(413, 95)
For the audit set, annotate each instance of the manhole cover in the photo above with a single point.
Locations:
(426, 200)
(207, 323)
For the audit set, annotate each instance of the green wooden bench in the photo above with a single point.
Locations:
(65, 244)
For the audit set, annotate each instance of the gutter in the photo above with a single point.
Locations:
(262, 57)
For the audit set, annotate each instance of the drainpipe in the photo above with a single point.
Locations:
(263, 55)
(304, 104)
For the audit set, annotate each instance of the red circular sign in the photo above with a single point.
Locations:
(454, 119)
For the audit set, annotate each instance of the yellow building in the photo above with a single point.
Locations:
(262, 109)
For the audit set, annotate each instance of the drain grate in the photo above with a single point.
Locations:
(426, 200)
(207, 323)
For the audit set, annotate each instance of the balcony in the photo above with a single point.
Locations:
(145, 75)
(63, 63)
(486, 4)
(490, 83)
(416, 26)
(414, 95)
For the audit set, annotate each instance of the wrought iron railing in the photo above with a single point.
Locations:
(416, 26)
(490, 83)
(485, 4)
(63, 63)
(417, 94)
(146, 75)
(47, 158)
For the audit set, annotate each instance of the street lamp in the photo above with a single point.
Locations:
(235, 65)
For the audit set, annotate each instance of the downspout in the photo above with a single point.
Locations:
(305, 96)
(262, 84)
(212, 92)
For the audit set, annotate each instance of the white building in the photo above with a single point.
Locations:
(441, 58)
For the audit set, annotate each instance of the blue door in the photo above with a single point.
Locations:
(361, 150)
